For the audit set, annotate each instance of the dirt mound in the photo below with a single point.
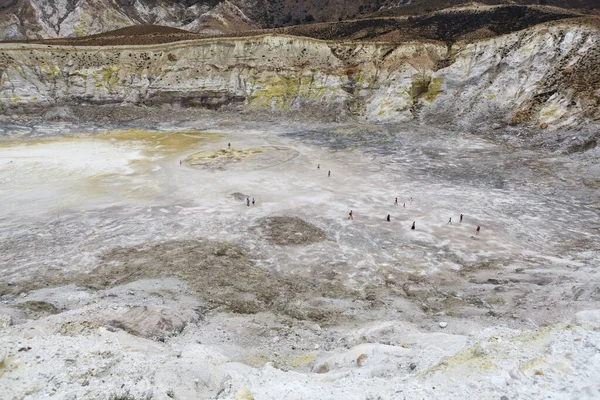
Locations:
(289, 231)
(238, 196)
(221, 157)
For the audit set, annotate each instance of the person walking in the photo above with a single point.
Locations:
(329, 173)
(449, 221)
(478, 229)
(396, 202)
(461, 217)
(404, 205)
(229, 145)
(248, 201)
(410, 201)
(388, 218)
(318, 166)
(253, 201)
(350, 216)
(413, 226)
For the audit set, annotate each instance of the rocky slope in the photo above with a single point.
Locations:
(35, 19)
(31, 19)
(546, 74)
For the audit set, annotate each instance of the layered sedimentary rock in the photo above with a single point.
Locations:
(546, 74)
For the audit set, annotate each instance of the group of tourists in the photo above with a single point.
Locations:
(414, 225)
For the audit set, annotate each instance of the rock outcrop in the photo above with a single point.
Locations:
(546, 74)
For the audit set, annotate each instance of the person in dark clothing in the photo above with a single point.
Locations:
(461, 217)
(318, 166)
(248, 201)
(396, 202)
(478, 229)
(350, 216)
(229, 145)
(449, 221)
(413, 226)
(329, 173)
(253, 201)
(388, 218)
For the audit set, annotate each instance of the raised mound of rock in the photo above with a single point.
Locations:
(289, 231)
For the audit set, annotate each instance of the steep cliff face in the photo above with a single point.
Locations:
(532, 76)
(546, 75)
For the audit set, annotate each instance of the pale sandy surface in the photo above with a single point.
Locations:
(164, 285)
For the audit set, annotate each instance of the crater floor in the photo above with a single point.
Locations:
(132, 265)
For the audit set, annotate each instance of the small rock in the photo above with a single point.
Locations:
(361, 360)
(322, 368)
(11, 283)
(413, 366)
(519, 270)
(443, 324)
(480, 351)
(24, 349)
(243, 394)
(171, 394)
(543, 125)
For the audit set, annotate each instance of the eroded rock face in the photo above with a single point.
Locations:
(151, 321)
(532, 76)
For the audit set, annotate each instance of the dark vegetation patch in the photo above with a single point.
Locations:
(444, 26)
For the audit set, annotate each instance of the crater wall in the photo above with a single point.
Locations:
(545, 75)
